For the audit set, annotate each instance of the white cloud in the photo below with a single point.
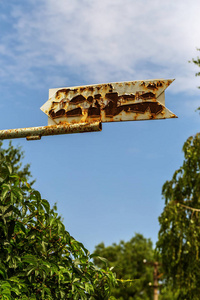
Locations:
(106, 40)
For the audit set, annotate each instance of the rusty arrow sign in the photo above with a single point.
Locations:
(112, 102)
(84, 108)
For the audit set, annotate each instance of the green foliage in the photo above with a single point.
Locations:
(196, 62)
(126, 259)
(14, 155)
(39, 259)
(166, 293)
(179, 233)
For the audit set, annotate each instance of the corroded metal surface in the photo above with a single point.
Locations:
(125, 101)
(35, 133)
(83, 109)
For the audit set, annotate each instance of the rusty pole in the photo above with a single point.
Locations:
(35, 133)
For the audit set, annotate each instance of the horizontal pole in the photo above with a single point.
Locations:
(35, 133)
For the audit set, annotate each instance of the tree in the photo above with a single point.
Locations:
(179, 233)
(196, 61)
(127, 260)
(15, 156)
(39, 259)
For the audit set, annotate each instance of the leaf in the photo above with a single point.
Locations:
(93, 255)
(28, 258)
(46, 205)
(16, 211)
(35, 195)
(44, 245)
(16, 291)
(104, 260)
(31, 270)
(7, 211)
(2, 179)
(3, 271)
(5, 285)
(9, 168)
(4, 193)
(11, 227)
(14, 279)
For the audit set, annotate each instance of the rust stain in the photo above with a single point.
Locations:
(74, 112)
(113, 105)
(78, 99)
(148, 95)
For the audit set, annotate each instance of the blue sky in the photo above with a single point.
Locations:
(107, 185)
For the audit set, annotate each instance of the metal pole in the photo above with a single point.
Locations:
(155, 278)
(35, 133)
(155, 281)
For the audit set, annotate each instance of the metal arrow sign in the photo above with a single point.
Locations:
(112, 102)
(84, 108)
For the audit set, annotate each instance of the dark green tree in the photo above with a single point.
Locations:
(179, 235)
(196, 61)
(127, 260)
(15, 156)
(39, 259)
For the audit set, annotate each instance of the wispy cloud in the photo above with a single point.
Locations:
(105, 40)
